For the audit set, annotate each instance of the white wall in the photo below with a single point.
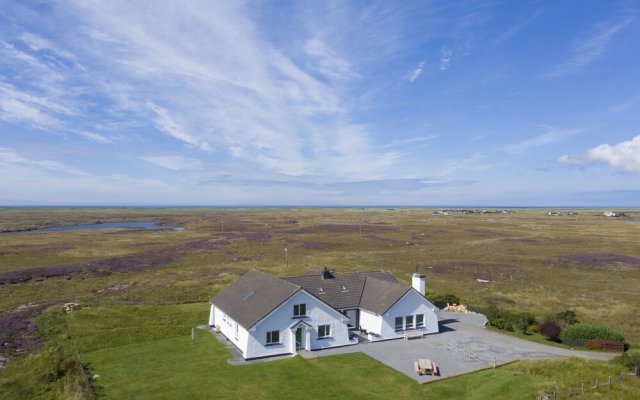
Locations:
(411, 303)
(281, 319)
(370, 321)
(228, 328)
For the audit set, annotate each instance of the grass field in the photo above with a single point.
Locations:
(132, 281)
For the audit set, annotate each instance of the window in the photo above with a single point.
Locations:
(299, 310)
(324, 331)
(419, 320)
(408, 322)
(236, 331)
(273, 337)
(398, 323)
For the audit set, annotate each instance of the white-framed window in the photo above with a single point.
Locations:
(236, 332)
(419, 320)
(408, 321)
(299, 310)
(399, 325)
(324, 331)
(273, 337)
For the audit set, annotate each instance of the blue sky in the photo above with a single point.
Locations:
(320, 103)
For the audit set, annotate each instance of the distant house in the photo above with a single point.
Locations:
(609, 214)
(266, 316)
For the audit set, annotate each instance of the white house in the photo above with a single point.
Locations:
(266, 316)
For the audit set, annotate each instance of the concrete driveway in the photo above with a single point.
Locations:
(463, 345)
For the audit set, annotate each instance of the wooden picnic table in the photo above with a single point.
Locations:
(426, 366)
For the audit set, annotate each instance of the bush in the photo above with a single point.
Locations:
(586, 331)
(550, 329)
(508, 320)
(631, 361)
(566, 318)
(441, 300)
(525, 320)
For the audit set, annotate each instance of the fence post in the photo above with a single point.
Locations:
(583, 388)
(596, 386)
(193, 333)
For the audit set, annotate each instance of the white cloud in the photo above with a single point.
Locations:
(417, 72)
(7, 156)
(328, 62)
(589, 50)
(624, 105)
(624, 156)
(553, 135)
(175, 163)
(96, 137)
(446, 55)
(165, 123)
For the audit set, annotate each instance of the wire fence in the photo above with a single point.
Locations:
(593, 344)
(599, 386)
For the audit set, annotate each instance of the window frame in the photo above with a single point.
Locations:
(421, 323)
(270, 339)
(399, 327)
(327, 329)
(300, 310)
(408, 325)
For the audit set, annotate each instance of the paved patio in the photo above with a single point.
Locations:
(463, 345)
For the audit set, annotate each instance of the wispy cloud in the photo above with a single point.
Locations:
(517, 28)
(175, 163)
(624, 156)
(164, 122)
(8, 156)
(327, 62)
(625, 105)
(446, 55)
(417, 72)
(552, 135)
(587, 51)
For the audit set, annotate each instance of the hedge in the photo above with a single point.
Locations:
(586, 331)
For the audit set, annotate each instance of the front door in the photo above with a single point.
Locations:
(299, 344)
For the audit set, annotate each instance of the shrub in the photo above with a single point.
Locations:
(566, 318)
(550, 329)
(631, 361)
(586, 331)
(525, 320)
(441, 300)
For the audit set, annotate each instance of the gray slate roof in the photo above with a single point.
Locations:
(374, 291)
(253, 296)
(379, 295)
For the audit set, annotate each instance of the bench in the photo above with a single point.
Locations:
(413, 334)
(425, 366)
(416, 367)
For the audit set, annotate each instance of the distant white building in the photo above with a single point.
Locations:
(609, 214)
(265, 316)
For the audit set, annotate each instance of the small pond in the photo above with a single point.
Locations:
(150, 225)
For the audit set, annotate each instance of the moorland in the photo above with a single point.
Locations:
(141, 291)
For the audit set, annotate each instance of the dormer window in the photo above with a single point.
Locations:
(343, 288)
(299, 310)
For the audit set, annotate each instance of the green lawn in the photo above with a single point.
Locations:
(179, 368)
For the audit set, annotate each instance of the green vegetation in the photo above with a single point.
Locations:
(442, 300)
(586, 331)
(142, 291)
